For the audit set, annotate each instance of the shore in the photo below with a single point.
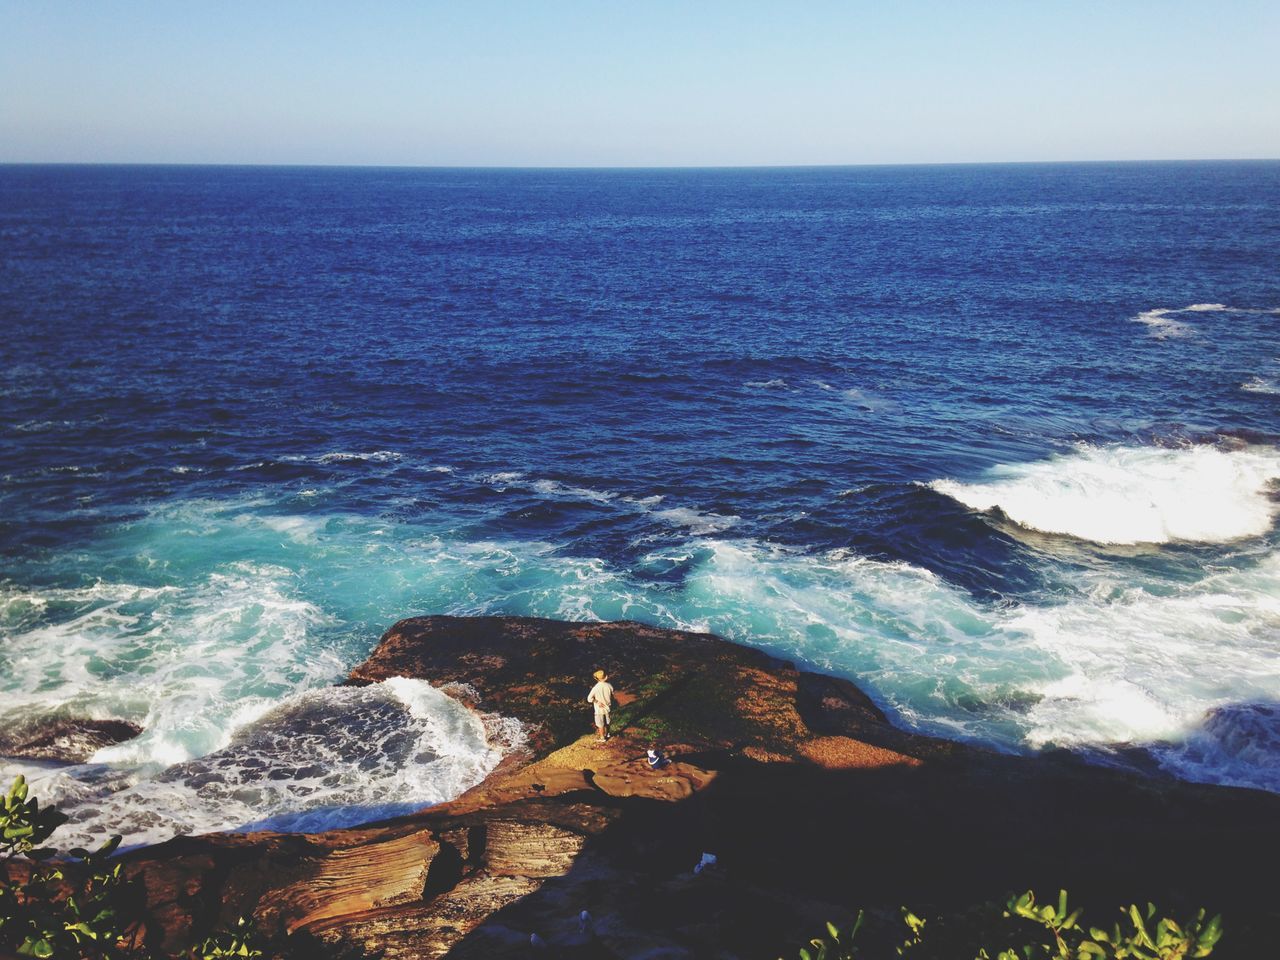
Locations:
(812, 803)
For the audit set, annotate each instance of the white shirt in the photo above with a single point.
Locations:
(601, 695)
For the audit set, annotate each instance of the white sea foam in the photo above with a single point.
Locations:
(223, 658)
(1268, 385)
(1127, 495)
(774, 384)
(203, 662)
(41, 426)
(182, 662)
(1181, 670)
(502, 479)
(1237, 744)
(645, 502)
(376, 456)
(552, 489)
(301, 529)
(696, 521)
(486, 577)
(318, 760)
(867, 400)
(1169, 666)
(558, 490)
(1165, 322)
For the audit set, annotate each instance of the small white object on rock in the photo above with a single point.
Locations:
(584, 922)
(708, 860)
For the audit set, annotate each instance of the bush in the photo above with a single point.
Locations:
(82, 906)
(1049, 933)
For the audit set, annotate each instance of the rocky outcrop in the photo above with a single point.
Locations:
(811, 802)
(64, 739)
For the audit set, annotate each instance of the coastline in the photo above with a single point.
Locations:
(812, 802)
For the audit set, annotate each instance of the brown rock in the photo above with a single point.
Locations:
(814, 805)
(64, 739)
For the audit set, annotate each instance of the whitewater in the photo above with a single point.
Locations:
(230, 673)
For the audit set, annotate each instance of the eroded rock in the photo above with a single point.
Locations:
(813, 804)
(64, 739)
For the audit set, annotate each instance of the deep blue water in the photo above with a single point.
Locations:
(253, 416)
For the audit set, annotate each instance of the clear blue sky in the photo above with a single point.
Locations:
(609, 83)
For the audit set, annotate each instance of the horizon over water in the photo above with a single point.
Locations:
(998, 442)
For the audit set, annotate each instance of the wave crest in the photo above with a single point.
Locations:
(320, 760)
(1130, 495)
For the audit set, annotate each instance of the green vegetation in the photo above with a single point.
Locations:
(82, 906)
(1048, 933)
(242, 941)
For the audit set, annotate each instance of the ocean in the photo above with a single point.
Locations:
(998, 443)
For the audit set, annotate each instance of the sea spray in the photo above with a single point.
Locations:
(1144, 664)
(319, 760)
(1129, 495)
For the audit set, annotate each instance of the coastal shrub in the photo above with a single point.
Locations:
(242, 942)
(23, 825)
(82, 905)
(1047, 932)
(78, 907)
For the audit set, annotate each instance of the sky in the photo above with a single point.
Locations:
(705, 83)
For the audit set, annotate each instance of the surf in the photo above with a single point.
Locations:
(1132, 495)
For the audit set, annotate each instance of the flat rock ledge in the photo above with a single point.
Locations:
(812, 803)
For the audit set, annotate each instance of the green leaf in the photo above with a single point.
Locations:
(83, 929)
(1209, 937)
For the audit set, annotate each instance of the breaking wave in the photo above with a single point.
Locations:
(226, 622)
(1129, 495)
(1157, 664)
(320, 760)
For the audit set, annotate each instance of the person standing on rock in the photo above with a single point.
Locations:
(601, 697)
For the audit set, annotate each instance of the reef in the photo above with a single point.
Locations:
(811, 802)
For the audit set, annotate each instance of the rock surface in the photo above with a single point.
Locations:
(812, 803)
(64, 739)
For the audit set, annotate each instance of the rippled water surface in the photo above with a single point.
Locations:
(999, 443)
